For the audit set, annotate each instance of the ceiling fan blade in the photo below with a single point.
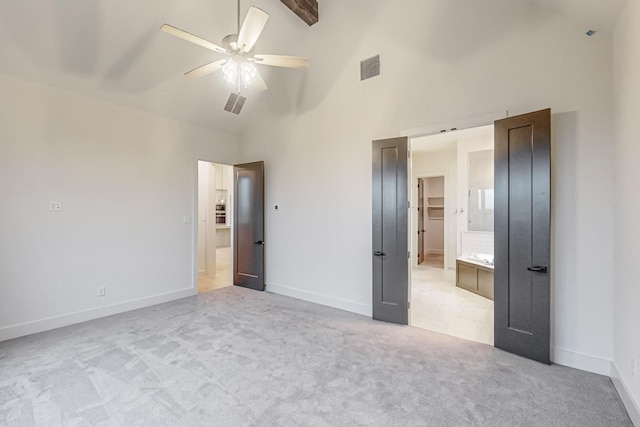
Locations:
(251, 28)
(177, 32)
(282, 61)
(206, 69)
(259, 84)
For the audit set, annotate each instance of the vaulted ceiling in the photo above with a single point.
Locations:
(113, 49)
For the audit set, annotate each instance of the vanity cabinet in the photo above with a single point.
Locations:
(475, 278)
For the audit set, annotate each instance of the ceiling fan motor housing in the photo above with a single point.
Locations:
(230, 42)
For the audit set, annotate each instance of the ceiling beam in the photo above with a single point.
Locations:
(307, 10)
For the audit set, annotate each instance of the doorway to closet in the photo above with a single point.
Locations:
(215, 225)
(431, 221)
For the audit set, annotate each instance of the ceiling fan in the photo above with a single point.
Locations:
(238, 66)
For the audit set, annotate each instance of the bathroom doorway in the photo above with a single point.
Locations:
(215, 225)
(450, 177)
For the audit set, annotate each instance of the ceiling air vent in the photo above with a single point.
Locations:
(370, 67)
(235, 103)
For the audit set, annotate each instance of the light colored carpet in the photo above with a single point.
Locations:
(235, 357)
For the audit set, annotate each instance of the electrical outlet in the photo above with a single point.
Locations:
(102, 291)
(634, 368)
(55, 206)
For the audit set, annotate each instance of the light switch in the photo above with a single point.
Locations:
(55, 206)
(186, 219)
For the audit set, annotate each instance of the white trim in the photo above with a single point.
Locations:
(470, 122)
(630, 404)
(196, 271)
(325, 300)
(54, 322)
(195, 268)
(581, 361)
(414, 227)
(600, 366)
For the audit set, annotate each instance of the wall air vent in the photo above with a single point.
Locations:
(235, 103)
(370, 67)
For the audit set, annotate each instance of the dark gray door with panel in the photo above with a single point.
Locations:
(390, 231)
(248, 236)
(522, 235)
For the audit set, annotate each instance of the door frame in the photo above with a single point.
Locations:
(414, 215)
(194, 219)
(434, 129)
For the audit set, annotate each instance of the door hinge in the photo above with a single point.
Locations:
(409, 255)
(408, 154)
(409, 305)
(408, 204)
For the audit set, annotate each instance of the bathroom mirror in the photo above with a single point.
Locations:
(480, 174)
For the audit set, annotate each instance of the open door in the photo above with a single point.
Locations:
(420, 220)
(390, 250)
(248, 236)
(522, 235)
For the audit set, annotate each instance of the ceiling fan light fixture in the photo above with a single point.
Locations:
(230, 70)
(239, 71)
(248, 72)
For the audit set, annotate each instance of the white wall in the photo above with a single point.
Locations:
(626, 62)
(208, 182)
(442, 61)
(433, 164)
(126, 180)
(203, 188)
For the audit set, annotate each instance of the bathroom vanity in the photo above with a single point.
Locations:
(475, 277)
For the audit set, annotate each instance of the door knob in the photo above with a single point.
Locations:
(538, 269)
(378, 253)
(259, 242)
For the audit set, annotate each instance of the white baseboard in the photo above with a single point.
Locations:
(600, 366)
(632, 405)
(341, 304)
(584, 362)
(434, 252)
(46, 324)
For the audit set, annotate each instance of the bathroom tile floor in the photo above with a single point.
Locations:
(434, 260)
(222, 277)
(438, 305)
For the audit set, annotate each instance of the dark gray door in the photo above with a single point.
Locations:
(522, 234)
(248, 236)
(420, 220)
(390, 231)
